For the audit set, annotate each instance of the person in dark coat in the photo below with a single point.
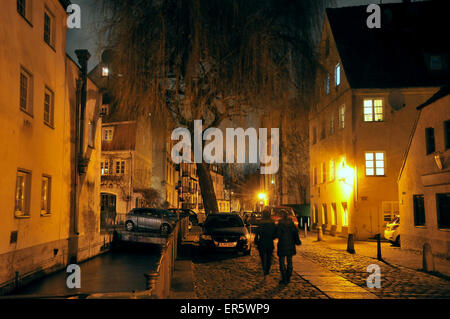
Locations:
(265, 234)
(287, 233)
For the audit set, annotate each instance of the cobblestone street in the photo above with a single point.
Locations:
(230, 276)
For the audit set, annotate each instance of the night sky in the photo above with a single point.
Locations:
(91, 26)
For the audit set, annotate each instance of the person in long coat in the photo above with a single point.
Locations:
(264, 237)
(287, 233)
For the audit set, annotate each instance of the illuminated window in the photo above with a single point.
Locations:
(26, 91)
(105, 71)
(22, 198)
(375, 163)
(342, 116)
(48, 107)
(45, 195)
(104, 167)
(107, 134)
(373, 110)
(332, 170)
(337, 75)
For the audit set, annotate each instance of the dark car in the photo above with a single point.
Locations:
(153, 219)
(275, 213)
(225, 231)
(254, 219)
(185, 212)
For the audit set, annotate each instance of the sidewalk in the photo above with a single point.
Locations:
(332, 285)
(391, 254)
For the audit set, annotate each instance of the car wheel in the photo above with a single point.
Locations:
(397, 241)
(129, 226)
(165, 229)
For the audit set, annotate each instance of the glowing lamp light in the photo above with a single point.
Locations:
(261, 196)
(345, 174)
(105, 71)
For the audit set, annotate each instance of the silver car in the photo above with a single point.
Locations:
(153, 219)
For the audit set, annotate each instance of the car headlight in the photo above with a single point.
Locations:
(206, 237)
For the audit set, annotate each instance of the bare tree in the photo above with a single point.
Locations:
(211, 59)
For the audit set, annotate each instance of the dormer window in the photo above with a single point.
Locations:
(435, 62)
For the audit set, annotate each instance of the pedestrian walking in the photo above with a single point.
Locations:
(288, 238)
(264, 236)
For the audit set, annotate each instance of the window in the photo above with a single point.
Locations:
(107, 134)
(435, 62)
(373, 110)
(447, 134)
(443, 210)
(322, 131)
(332, 124)
(24, 9)
(104, 110)
(45, 195)
(324, 172)
(315, 176)
(337, 75)
(49, 28)
(26, 91)
(342, 116)
(332, 170)
(375, 163)
(48, 107)
(105, 71)
(120, 167)
(327, 84)
(429, 140)
(104, 167)
(390, 211)
(419, 210)
(22, 199)
(314, 135)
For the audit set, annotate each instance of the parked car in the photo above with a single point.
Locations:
(392, 233)
(225, 231)
(153, 219)
(186, 212)
(254, 219)
(275, 213)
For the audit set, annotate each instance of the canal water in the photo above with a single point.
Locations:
(119, 270)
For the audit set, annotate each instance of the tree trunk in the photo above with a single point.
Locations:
(207, 188)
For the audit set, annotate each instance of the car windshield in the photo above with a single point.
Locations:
(277, 212)
(224, 221)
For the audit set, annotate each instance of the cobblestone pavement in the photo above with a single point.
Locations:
(230, 276)
(396, 281)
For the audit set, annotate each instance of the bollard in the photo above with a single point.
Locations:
(319, 233)
(378, 237)
(350, 244)
(427, 258)
(306, 229)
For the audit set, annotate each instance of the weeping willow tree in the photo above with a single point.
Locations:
(211, 59)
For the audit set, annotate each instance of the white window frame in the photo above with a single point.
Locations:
(108, 134)
(373, 159)
(104, 167)
(372, 116)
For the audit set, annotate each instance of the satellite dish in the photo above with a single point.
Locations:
(396, 100)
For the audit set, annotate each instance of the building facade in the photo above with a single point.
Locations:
(360, 126)
(41, 229)
(424, 181)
